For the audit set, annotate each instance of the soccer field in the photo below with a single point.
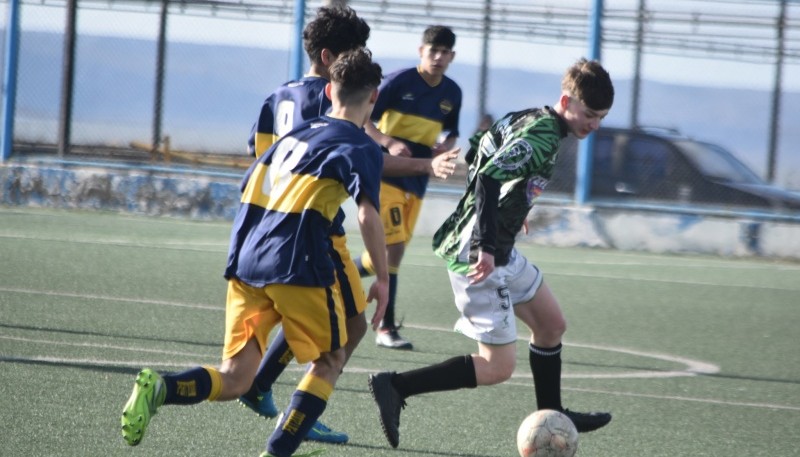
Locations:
(693, 355)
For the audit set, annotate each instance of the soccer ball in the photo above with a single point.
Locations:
(547, 433)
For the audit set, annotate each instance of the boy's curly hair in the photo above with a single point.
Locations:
(355, 74)
(337, 28)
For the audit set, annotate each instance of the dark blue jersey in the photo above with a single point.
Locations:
(290, 105)
(410, 110)
(290, 198)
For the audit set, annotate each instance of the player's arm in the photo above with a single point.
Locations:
(441, 166)
(448, 144)
(487, 196)
(393, 145)
(371, 227)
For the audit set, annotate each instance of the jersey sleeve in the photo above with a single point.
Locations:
(450, 123)
(525, 153)
(385, 94)
(365, 175)
(263, 135)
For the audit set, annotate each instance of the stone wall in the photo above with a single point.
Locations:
(161, 192)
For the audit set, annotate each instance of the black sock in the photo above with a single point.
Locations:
(546, 368)
(388, 321)
(452, 374)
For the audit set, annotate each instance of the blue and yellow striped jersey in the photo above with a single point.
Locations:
(410, 110)
(290, 198)
(290, 105)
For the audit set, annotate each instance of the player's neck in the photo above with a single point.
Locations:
(356, 115)
(431, 79)
(318, 71)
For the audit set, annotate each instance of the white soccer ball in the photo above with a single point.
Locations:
(547, 433)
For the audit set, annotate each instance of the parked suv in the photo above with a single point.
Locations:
(663, 166)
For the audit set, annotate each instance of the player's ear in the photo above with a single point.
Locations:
(373, 97)
(564, 101)
(328, 89)
(327, 57)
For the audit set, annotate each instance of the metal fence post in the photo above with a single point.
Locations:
(10, 78)
(583, 182)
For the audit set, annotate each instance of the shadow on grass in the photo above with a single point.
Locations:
(421, 451)
(108, 335)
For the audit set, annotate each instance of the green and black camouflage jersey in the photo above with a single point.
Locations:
(509, 166)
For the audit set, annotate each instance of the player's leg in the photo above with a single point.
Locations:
(259, 397)
(244, 342)
(355, 302)
(487, 302)
(543, 315)
(389, 389)
(399, 211)
(352, 294)
(279, 355)
(307, 317)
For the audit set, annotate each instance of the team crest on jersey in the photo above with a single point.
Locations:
(446, 106)
(535, 187)
(513, 156)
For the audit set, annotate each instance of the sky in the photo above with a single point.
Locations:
(536, 57)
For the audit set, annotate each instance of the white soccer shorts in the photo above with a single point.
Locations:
(487, 308)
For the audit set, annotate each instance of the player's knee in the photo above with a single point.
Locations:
(356, 328)
(550, 335)
(329, 364)
(234, 386)
(559, 327)
(494, 371)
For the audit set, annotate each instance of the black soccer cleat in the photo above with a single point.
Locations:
(389, 405)
(587, 422)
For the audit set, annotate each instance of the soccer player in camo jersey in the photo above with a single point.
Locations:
(279, 268)
(493, 283)
(333, 31)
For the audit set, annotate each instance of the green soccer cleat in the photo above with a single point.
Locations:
(148, 394)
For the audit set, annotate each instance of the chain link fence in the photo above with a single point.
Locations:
(223, 57)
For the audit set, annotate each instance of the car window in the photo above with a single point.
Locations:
(717, 163)
(647, 159)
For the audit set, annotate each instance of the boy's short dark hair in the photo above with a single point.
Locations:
(590, 83)
(355, 75)
(439, 35)
(337, 28)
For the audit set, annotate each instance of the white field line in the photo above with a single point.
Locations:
(112, 298)
(352, 369)
(691, 367)
(178, 245)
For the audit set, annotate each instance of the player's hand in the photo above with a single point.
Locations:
(444, 165)
(398, 148)
(438, 148)
(379, 291)
(525, 227)
(482, 268)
